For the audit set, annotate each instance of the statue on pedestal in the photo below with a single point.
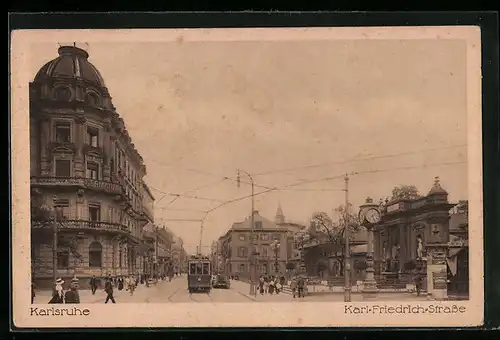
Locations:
(420, 248)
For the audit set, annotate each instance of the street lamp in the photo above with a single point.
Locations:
(276, 248)
(253, 271)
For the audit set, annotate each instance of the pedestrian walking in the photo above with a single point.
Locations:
(277, 285)
(72, 295)
(293, 287)
(418, 283)
(300, 287)
(131, 285)
(120, 283)
(266, 285)
(108, 288)
(58, 296)
(261, 285)
(93, 284)
(271, 287)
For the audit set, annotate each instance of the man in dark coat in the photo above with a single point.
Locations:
(72, 295)
(93, 284)
(108, 288)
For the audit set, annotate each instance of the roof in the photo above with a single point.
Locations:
(437, 189)
(71, 63)
(247, 224)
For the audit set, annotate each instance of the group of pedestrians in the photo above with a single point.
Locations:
(271, 284)
(297, 286)
(60, 296)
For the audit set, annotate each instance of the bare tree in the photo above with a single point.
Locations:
(323, 229)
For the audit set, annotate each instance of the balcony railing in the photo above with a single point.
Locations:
(88, 183)
(86, 225)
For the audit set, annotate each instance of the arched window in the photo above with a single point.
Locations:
(92, 99)
(62, 93)
(95, 255)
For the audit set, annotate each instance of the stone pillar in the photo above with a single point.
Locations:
(369, 284)
(402, 246)
(437, 278)
(45, 161)
(79, 168)
(106, 142)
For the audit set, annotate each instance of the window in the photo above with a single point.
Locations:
(92, 99)
(62, 93)
(206, 268)
(242, 237)
(276, 237)
(63, 132)
(94, 212)
(263, 269)
(95, 255)
(120, 257)
(63, 168)
(93, 171)
(255, 237)
(242, 251)
(258, 225)
(62, 259)
(264, 237)
(263, 251)
(112, 166)
(242, 268)
(93, 136)
(192, 268)
(62, 208)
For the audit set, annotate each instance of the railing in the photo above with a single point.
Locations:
(86, 225)
(92, 184)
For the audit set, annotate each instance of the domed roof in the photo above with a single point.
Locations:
(71, 63)
(437, 189)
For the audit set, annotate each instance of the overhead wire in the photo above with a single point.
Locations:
(354, 160)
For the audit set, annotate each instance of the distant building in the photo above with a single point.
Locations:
(236, 247)
(293, 248)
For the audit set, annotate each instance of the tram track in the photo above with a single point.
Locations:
(198, 294)
(169, 298)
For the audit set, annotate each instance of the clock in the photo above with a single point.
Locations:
(372, 215)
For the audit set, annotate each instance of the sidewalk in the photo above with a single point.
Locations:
(243, 288)
(141, 292)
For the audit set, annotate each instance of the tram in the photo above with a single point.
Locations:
(199, 274)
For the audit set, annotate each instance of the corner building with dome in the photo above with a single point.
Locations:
(86, 175)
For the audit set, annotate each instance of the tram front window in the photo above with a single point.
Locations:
(206, 268)
(192, 268)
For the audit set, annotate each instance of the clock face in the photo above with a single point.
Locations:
(372, 215)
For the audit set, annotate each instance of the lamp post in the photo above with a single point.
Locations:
(347, 257)
(253, 270)
(54, 218)
(276, 248)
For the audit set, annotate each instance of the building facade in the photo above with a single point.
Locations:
(86, 171)
(293, 248)
(237, 244)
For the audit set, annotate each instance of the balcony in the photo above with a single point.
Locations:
(86, 183)
(84, 225)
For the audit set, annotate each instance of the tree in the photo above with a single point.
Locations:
(463, 207)
(324, 229)
(405, 192)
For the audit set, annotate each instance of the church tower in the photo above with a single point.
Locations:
(280, 218)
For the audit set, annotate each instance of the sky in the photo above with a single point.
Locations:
(394, 111)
